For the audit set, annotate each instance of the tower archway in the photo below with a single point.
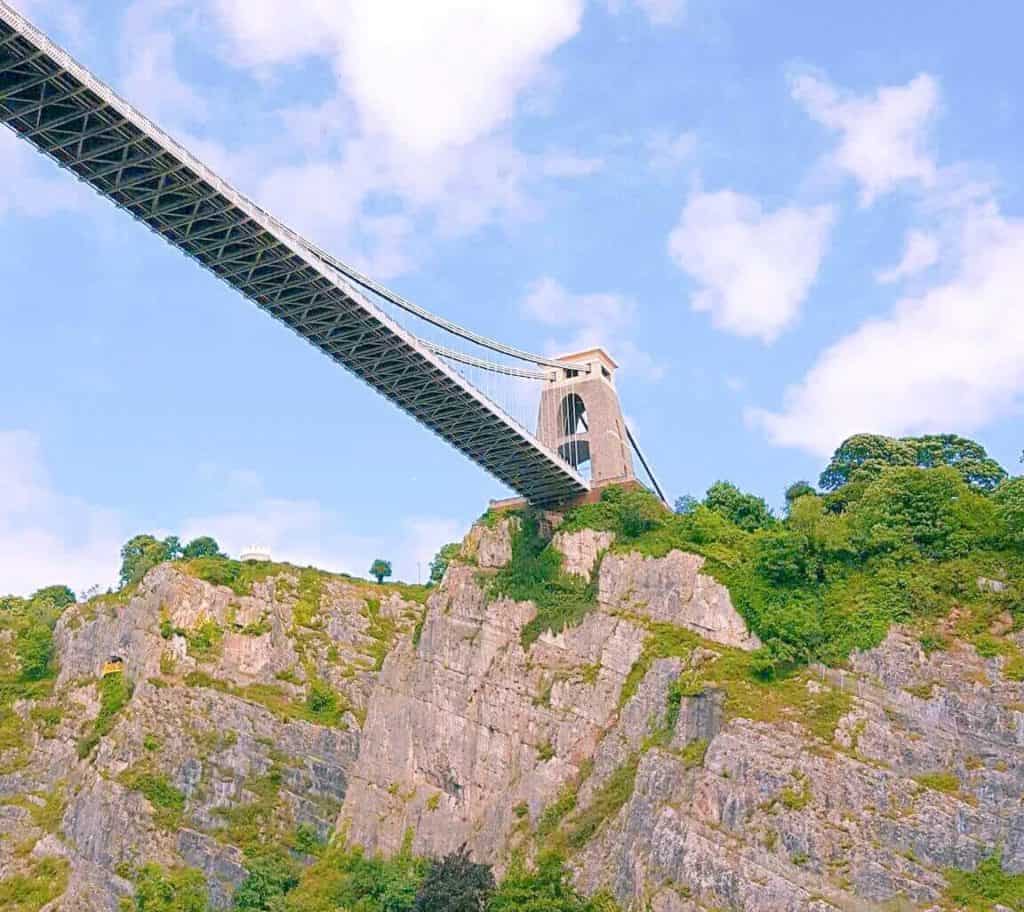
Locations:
(572, 415)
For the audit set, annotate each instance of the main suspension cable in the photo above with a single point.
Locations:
(417, 311)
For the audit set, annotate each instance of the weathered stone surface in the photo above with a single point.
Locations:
(468, 726)
(195, 720)
(468, 737)
(672, 589)
(490, 546)
(582, 549)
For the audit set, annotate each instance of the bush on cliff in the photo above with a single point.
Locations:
(907, 529)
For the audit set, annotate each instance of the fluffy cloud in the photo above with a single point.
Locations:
(31, 186)
(920, 252)
(755, 268)
(304, 532)
(413, 126)
(150, 77)
(669, 151)
(658, 12)
(47, 537)
(949, 358)
(882, 137)
(426, 75)
(589, 320)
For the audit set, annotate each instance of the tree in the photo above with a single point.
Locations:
(863, 457)
(799, 489)
(548, 889)
(272, 874)
(159, 889)
(866, 454)
(455, 884)
(35, 650)
(59, 597)
(744, 510)
(968, 457)
(931, 510)
(143, 552)
(204, 546)
(685, 505)
(439, 564)
(1009, 501)
(380, 569)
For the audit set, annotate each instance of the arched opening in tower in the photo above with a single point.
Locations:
(572, 415)
(572, 422)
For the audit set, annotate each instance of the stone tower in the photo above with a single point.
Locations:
(580, 417)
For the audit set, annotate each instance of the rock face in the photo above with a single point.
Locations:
(663, 779)
(672, 590)
(217, 726)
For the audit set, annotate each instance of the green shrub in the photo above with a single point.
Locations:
(115, 692)
(160, 889)
(47, 879)
(987, 886)
(455, 884)
(271, 875)
(534, 573)
(167, 800)
(942, 781)
(608, 801)
(346, 878)
(548, 888)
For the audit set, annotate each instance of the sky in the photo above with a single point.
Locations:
(789, 222)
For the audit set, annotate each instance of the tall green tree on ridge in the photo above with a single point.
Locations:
(143, 552)
(863, 456)
(380, 569)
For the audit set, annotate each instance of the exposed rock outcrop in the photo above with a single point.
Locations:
(672, 590)
(333, 704)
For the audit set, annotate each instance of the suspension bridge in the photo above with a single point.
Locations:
(551, 429)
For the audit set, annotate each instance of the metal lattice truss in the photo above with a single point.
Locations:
(69, 115)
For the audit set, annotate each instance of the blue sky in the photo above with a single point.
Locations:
(789, 223)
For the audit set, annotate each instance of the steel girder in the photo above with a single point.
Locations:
(73, 118)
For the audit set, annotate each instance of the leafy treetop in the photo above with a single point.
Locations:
(143, 552)
(863, 456)
(204, 546)
(455, 884)
(380, 569)
(441, 560)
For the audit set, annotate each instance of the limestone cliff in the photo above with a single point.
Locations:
(292, 704)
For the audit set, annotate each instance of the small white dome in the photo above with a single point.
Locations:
(255, 553)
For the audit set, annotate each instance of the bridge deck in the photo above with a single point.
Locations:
(80, 123)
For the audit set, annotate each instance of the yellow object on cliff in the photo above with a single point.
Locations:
(112, 666)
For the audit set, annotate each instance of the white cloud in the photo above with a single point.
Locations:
(921, 252)
(66, 18)
(32, 186)
(426, 75)
(304, 532)
(947, 359)
(47, 537)
(668, 151)
(658, 12)
(883, 136)
(566, 164)
(150, 78)
(413, 126)
(755, 267)
(589, 320)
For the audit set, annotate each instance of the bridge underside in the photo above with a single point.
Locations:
(81, 124)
